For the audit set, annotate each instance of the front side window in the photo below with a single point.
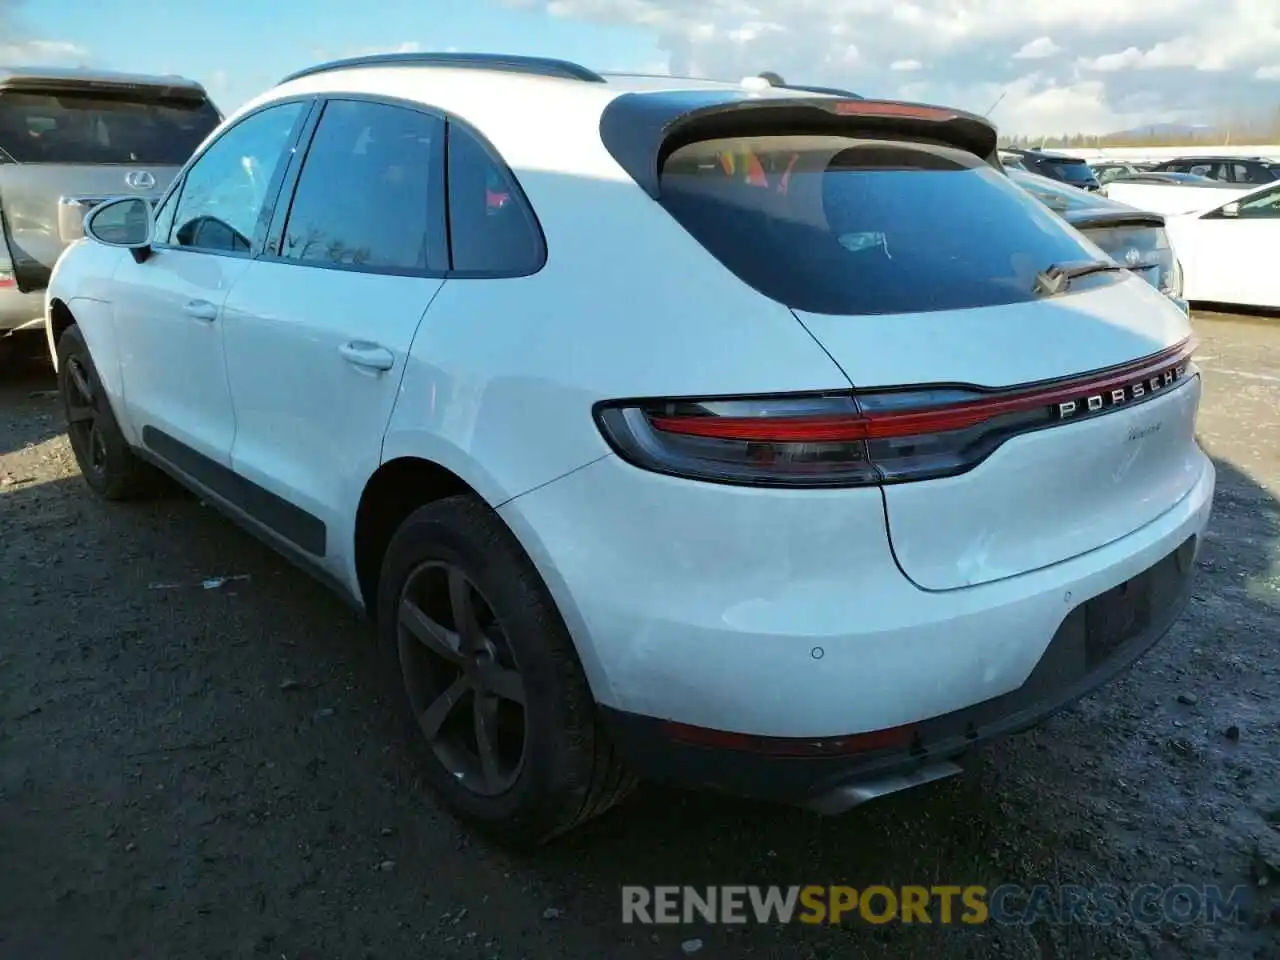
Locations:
(83, 127)
(491, 228)
(224, 194)
(370, 192)
(841, 226)
(1264, 206)
(164, 215)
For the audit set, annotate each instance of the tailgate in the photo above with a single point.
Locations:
(1013, 418)
(1095, 438)
(43, 208)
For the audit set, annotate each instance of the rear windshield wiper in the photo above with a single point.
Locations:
(1057, 278)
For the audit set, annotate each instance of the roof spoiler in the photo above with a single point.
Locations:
(152, 90)
(641, 130)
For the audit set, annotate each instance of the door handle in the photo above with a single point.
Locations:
(370, 356)
(201, 310)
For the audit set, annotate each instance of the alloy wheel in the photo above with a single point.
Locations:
(84, 418)
(464, 685)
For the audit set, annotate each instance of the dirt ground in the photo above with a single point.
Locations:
(219, 772)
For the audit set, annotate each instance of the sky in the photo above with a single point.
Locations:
(1055, 66)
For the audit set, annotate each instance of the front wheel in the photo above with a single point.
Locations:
(109, 466)
(491, 678)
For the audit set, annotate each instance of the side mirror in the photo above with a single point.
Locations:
(1232, 209)
(127, 223)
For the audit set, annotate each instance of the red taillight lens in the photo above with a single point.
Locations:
(881, 108)
(804, 441)
(856, 439)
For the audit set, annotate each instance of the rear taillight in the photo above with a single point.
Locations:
(862, 439)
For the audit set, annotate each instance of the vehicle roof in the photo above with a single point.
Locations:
(1162, 176)
(536, 119)
(73, 75)
(1041, 154)
(1218, 158)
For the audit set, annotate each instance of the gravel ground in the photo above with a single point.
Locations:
(192, 772)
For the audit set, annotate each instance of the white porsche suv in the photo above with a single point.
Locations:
(738, 436)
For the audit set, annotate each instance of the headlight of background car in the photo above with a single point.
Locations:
(1144, 250)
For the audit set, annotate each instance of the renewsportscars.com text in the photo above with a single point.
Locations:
(936, 904)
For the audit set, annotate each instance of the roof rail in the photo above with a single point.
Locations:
(534, 66)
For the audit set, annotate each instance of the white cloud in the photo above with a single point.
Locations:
(1111, 62)
(409, 46)
(1037, 49)
(1131, 63)
(50, 53)
(1269, 72)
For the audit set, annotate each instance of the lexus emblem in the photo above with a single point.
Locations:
(1132, 256)
(140, 179)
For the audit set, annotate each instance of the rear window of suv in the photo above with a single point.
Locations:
(1068, 171)
(840, 226)
(78, 127)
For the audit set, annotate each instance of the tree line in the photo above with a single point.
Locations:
(1234, 130)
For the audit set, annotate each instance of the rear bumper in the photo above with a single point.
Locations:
(21, 311)
(783, 614)
(1099, 638)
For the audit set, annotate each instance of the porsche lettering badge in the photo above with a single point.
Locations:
(1118, 396)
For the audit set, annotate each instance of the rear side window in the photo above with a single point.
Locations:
(840, 226)
(491, 228)
(75, 127)
(371, 191)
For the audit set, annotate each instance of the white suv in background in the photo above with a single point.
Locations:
(739, 436)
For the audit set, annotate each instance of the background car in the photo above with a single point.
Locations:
(1135, 238)
(1171, 193)
(1057, 166)
(706, 457)
(1249, 171)
(1229, 250)
(1108, 171)
(70, 138)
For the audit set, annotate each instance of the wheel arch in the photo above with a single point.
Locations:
(60, 318)
(397, 488)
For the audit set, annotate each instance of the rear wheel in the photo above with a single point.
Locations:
(109, 466)
(491, 678)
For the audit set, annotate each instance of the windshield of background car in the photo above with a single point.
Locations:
(1057, 196)
(842, 226)
(77, 127)
(1070, 172)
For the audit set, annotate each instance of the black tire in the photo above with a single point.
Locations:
(568, 771)
(109, 466)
